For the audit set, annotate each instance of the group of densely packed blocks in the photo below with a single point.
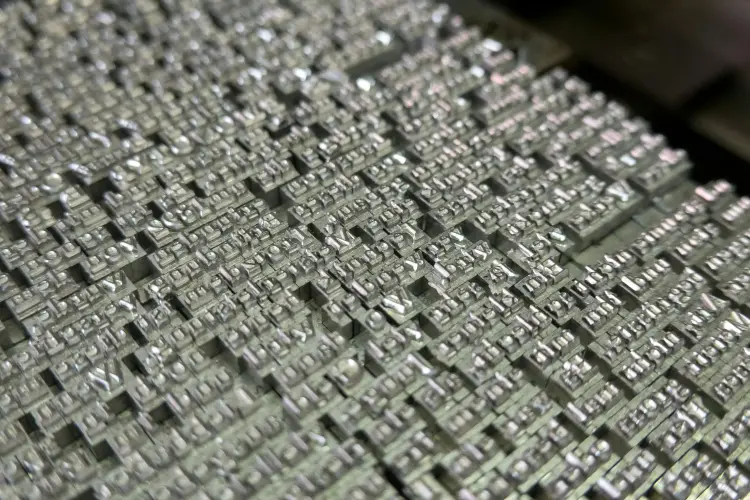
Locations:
(297, 249)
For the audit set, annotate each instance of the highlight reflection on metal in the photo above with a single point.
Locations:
(345, 249)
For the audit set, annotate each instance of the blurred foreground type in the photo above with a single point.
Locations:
(351, 250)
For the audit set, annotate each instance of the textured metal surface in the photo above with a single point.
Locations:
(685, 64)
(350, 250)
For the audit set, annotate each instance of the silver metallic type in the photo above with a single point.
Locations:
(337, 249)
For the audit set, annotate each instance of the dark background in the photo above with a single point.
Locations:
(683, 64)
